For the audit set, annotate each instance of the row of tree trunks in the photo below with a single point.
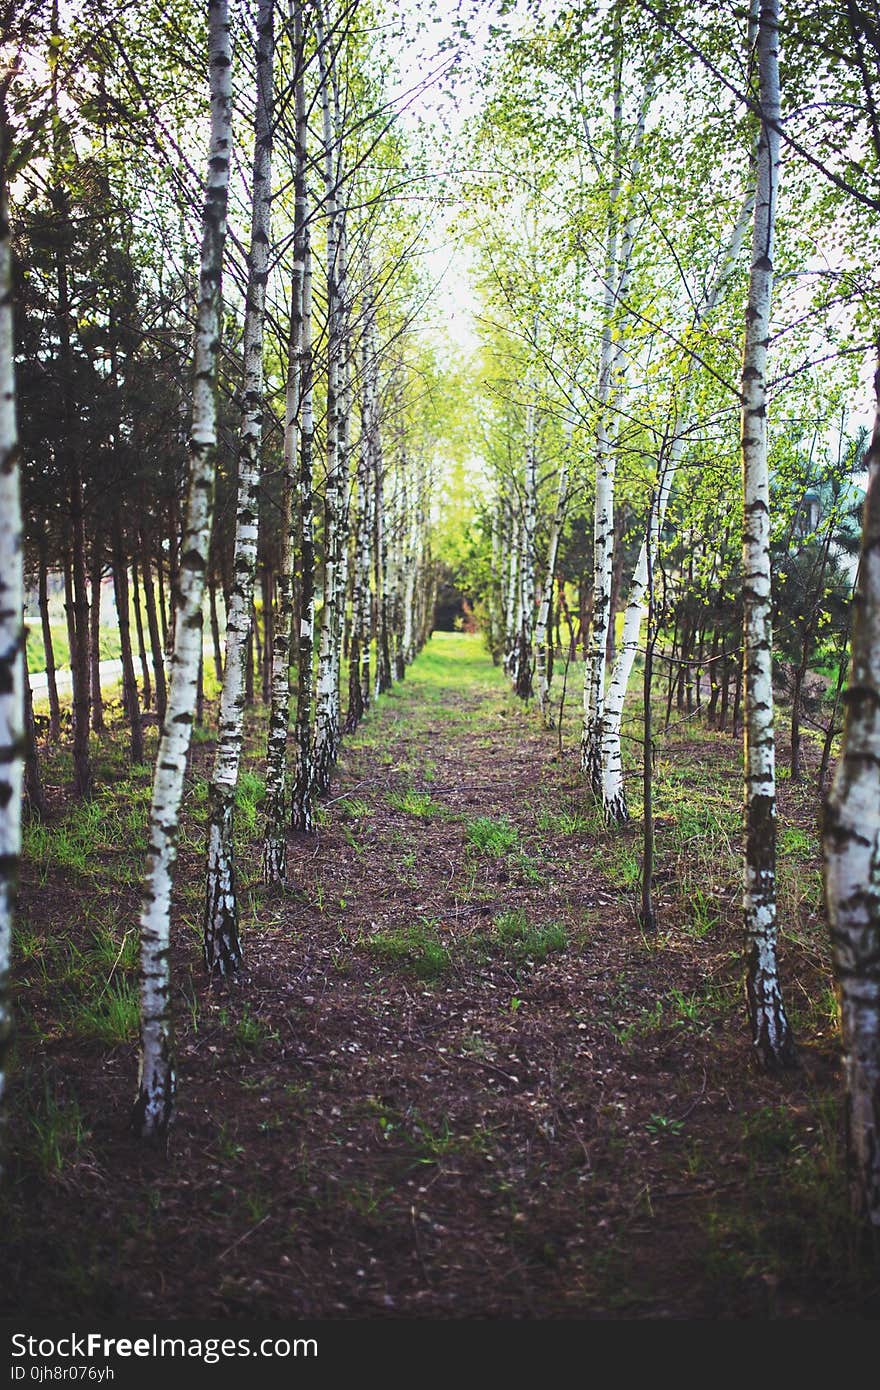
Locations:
(139, 599)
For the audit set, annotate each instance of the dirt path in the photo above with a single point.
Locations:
(456, 1080)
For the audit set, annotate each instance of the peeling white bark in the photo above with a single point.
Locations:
(301, 810)
(275, 835)
(524, 651)
(327, 689)
(511, 617)
(611, 386)
(362, 629)
(613, 791)
(11, 639)
(222, 945)
(771, 1036)
(547, 590)
(155, 1100)
(851, 846)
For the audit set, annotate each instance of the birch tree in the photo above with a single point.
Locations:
(611, 385)
(221, 937)
(77, 600)
(614, 802)
(523, 659)
(11, 627)
(547, 588)
(851, 848)
(327, 694)
(154, 1105)
(361, 632)
(771, 1035)
(301, 807)
(275, 837)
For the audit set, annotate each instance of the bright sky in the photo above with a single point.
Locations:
(443, 104)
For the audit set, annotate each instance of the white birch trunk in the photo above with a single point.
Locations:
(155, 1100)
(11, 638)
(367, 499)
(524, 662)
(383, 579)
(397, 533)
(496, 586)
(770, 1031)
(518, 600)
(603, 503)
(614, 801)
(412, 572)
(380, 537)
(612, 387)
(547, 590)
(419, 570)
(221, 937)
(851, 845)
(346, 488)
(359, 654)
(301, 809)
(275, 835)
(327, 694)
(512, 589)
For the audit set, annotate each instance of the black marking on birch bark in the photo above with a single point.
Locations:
(864, 961)
(157, 1130)
(771, 1035)
(841, 836)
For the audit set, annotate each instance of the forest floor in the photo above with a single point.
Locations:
(455, 1078)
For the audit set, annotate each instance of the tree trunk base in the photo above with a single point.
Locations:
(771, 1035)
(221, 941)
(615, 810)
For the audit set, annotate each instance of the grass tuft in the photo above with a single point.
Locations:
(494, 838)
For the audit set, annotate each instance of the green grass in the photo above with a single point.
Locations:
(112, 1017)
(703, 914)
(108, 644)
(796, 842)
(451, 658)
(524, 940)
(798, 1227)
(423, 1141)
(569, 821)
(494, 838)
(413, 803)
(417, 948)
(113, 825)
(620, 862)
(58, 1132)
(249, 797)
(109, 953)
(250, 1033)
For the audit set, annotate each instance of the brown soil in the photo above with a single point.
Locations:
(402, 1109)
